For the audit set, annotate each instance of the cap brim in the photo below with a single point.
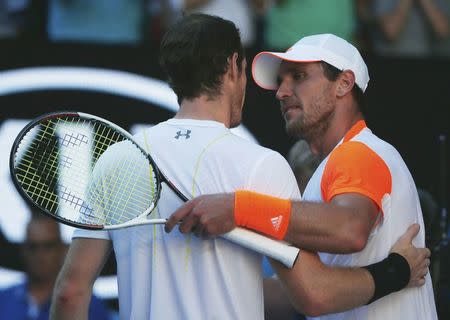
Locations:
(266, 64)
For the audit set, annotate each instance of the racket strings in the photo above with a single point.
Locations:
(48, 155)
(128, 189)
(44, 157)
(33, 159)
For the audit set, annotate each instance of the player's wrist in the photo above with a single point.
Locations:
(389, 275)
(262, 213)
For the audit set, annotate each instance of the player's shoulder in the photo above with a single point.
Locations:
(245, 143)
(119, 150)
(364, 151)
(367, 140)
(243, 147)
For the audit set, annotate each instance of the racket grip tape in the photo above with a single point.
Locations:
(277, 250)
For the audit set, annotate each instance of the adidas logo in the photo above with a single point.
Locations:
(276, 222)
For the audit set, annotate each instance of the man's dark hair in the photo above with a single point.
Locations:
(332, 73)
(194, 54)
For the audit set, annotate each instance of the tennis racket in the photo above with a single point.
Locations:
(89, 173)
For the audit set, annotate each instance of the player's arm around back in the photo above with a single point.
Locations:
(316, 289)
(73, 288)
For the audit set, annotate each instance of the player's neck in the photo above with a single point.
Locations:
(323, 144)
(204, 108)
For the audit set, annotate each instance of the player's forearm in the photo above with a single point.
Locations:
(392, 23)
(342, 226)
(327, 228)
(436, 17)
(315, 289)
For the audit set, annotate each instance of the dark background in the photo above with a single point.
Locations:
(408, 99)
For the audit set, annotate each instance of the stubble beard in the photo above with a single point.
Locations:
(311, 126)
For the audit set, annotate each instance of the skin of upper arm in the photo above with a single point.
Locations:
(82, 265)
(357, 178)
(366, 214)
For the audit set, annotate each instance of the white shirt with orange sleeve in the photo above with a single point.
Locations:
(363, 163)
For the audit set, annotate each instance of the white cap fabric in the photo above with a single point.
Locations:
(322, 47)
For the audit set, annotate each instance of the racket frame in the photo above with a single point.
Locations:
(71, 114)
(279, 250)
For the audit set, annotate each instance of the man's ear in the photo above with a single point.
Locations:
(346, 81)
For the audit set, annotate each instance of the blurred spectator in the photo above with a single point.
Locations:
(363, 25)
(442, 48)
(12, 18)
(9, 257)
(239, 11)
(43, 253)
(302, 162)
(408, 28)
(289, 20)
(100, 21)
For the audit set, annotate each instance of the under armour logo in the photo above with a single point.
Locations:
(276, 222)
(185, 135)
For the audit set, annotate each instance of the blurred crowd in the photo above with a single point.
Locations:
(400, 28)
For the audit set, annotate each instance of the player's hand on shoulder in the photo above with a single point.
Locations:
(206, 216)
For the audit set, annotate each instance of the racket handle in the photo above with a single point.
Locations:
(278, 250)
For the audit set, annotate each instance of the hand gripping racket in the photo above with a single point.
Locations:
(89, 173)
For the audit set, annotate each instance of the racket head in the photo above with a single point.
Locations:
(84, 171)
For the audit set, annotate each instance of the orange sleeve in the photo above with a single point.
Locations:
(355, 168)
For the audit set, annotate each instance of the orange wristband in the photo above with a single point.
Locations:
(262, 213)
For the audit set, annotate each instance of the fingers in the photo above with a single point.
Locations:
(189, 223)
(419, 263)
(421, 273)
(410, 234)
(423, 269)
(179, 214)
(427, 252)
(424, 253)
(426, 267)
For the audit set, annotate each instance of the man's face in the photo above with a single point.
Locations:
(306, 98)
(43, 250)
(236, 112)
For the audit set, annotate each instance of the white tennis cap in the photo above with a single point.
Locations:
(321, 47)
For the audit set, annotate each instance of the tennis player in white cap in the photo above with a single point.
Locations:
(359, 201)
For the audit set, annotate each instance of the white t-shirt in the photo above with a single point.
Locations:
(176, 276)
(363, 163)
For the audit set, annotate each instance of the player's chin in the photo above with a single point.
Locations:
(294, 129)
